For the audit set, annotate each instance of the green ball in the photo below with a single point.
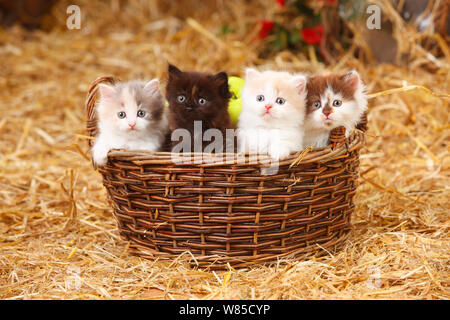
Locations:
(235, 104)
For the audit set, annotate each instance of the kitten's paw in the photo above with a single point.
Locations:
(99, 157)
(279, 153)
(150, 147)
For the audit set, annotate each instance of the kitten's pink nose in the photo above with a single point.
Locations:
(327, 111)
(131, 125)
(268, 107)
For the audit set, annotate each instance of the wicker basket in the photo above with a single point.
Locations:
(229, 212)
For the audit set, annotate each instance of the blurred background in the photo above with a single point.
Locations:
(331, 26)
(56, 223)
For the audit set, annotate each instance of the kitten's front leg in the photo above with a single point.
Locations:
(150, 146)
(100, 153)
(247, 140)
(279, 151)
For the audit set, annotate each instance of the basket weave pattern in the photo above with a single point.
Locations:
(228, 212)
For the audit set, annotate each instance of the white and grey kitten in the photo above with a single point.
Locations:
(273, 110)
(131, 115)
(333, 100)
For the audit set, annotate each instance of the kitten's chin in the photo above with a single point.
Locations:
(267, 116)
(131, 131)
(327, 121)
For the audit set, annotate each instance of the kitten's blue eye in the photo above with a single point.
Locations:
(280, 101)
(181, 98)
(337, 103)
(121, 114)
(260, 98)
(201, 101)
(316, 104)
(141, 113)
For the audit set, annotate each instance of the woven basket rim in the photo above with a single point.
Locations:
(144, 157)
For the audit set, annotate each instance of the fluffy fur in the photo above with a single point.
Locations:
(131, 115)
(196, 96)
(273, 111)
(323, 113)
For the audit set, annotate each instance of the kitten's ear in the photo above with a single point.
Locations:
(152, 86)
(221, 79)
(352, 78)
(300, 82)
(106, 92)
(174, 71)
(250, 73)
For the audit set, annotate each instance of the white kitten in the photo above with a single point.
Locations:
(273, 110)
(333, 100)
(131, 115)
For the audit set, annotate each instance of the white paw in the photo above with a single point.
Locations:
(279, 152)
(100, 157)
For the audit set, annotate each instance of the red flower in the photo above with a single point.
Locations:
(313, 35)
(330, 2)
(266, 28)
(282, 3)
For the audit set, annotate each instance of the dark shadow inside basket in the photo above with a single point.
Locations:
(218, 211)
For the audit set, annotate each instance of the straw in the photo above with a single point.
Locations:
(58, 237)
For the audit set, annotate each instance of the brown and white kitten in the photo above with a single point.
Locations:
(196, 96)
(333, 100)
